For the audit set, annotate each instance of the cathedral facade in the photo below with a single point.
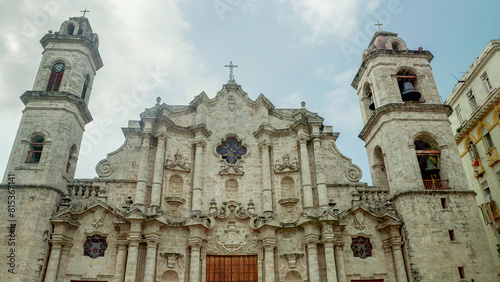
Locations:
(234, 189)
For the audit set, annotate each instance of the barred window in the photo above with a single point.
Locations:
(95, 246)
(361, 247)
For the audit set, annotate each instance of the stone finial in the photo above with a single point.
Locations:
(158, 100)
(303, 104)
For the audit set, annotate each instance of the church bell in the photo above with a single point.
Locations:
(409, 92)
(372, 104)
(430, 167)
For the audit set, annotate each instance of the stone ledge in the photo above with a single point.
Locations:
(27, 186)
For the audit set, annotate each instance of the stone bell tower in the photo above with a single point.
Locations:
(411, 151)
(45, 151)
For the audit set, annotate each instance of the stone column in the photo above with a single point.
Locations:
(331, 271)
(142, 174)
(150, 269)
(53, 265)
(339, 261)
(399, 263)
(320, 175)
(133, 252)
(306, 174)
(269, 271)
(197, 175)
(194, 264)
(121, 258)
(390, 262)
(267, 197)
(311, 241)
(158, 174)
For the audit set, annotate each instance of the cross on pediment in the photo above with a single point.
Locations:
(231, 66)
(85, 11)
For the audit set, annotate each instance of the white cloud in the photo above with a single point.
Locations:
(331, 17)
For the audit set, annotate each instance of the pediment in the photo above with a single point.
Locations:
(229, 92)
(382, 214)
(98, 208)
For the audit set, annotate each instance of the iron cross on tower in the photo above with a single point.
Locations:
(85, 11)
(231, 66)
(378, 24)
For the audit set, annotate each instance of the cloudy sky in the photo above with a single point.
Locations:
(289, 50)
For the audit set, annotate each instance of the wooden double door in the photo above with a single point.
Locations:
(231, 268)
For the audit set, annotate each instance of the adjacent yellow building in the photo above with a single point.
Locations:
(475, 120)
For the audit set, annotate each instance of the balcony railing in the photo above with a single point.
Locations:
(437, 184)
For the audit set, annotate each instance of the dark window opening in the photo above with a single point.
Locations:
(85, 86)
(55, 77)
(487, 139)
(452, 235)
(472, 100)
(461, 272)
(71, 29)
(35, 151)
(444, 203)
(396, 46)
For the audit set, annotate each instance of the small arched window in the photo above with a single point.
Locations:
(396, 46)
(35, 151)
(487, 139)
(71, 29)
(56, 76)
(85, 86)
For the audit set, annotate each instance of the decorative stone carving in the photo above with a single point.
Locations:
(287, 166)
(231, 170)
(177, 164)
(104, 168)
(232, 239)
(171, 258)
(358, 221)
(175, 201)
(354, 173)
(288, 202)
(98, 218)
(231, 102)
(292, 258)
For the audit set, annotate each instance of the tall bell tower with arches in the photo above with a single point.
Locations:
(411, 151)
(45, 151)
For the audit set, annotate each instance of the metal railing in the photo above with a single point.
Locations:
(437, 184)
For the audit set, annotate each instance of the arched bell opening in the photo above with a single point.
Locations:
(429, 161)
(408, 84)
(369, 97)
(379, 169)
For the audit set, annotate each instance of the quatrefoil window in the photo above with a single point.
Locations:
(231, 150)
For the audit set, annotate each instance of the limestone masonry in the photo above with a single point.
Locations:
(233, 189)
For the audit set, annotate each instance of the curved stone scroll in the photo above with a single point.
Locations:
(104, 168)
(354, 173)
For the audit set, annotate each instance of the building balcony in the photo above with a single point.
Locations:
(492, 155)
(436, 184)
